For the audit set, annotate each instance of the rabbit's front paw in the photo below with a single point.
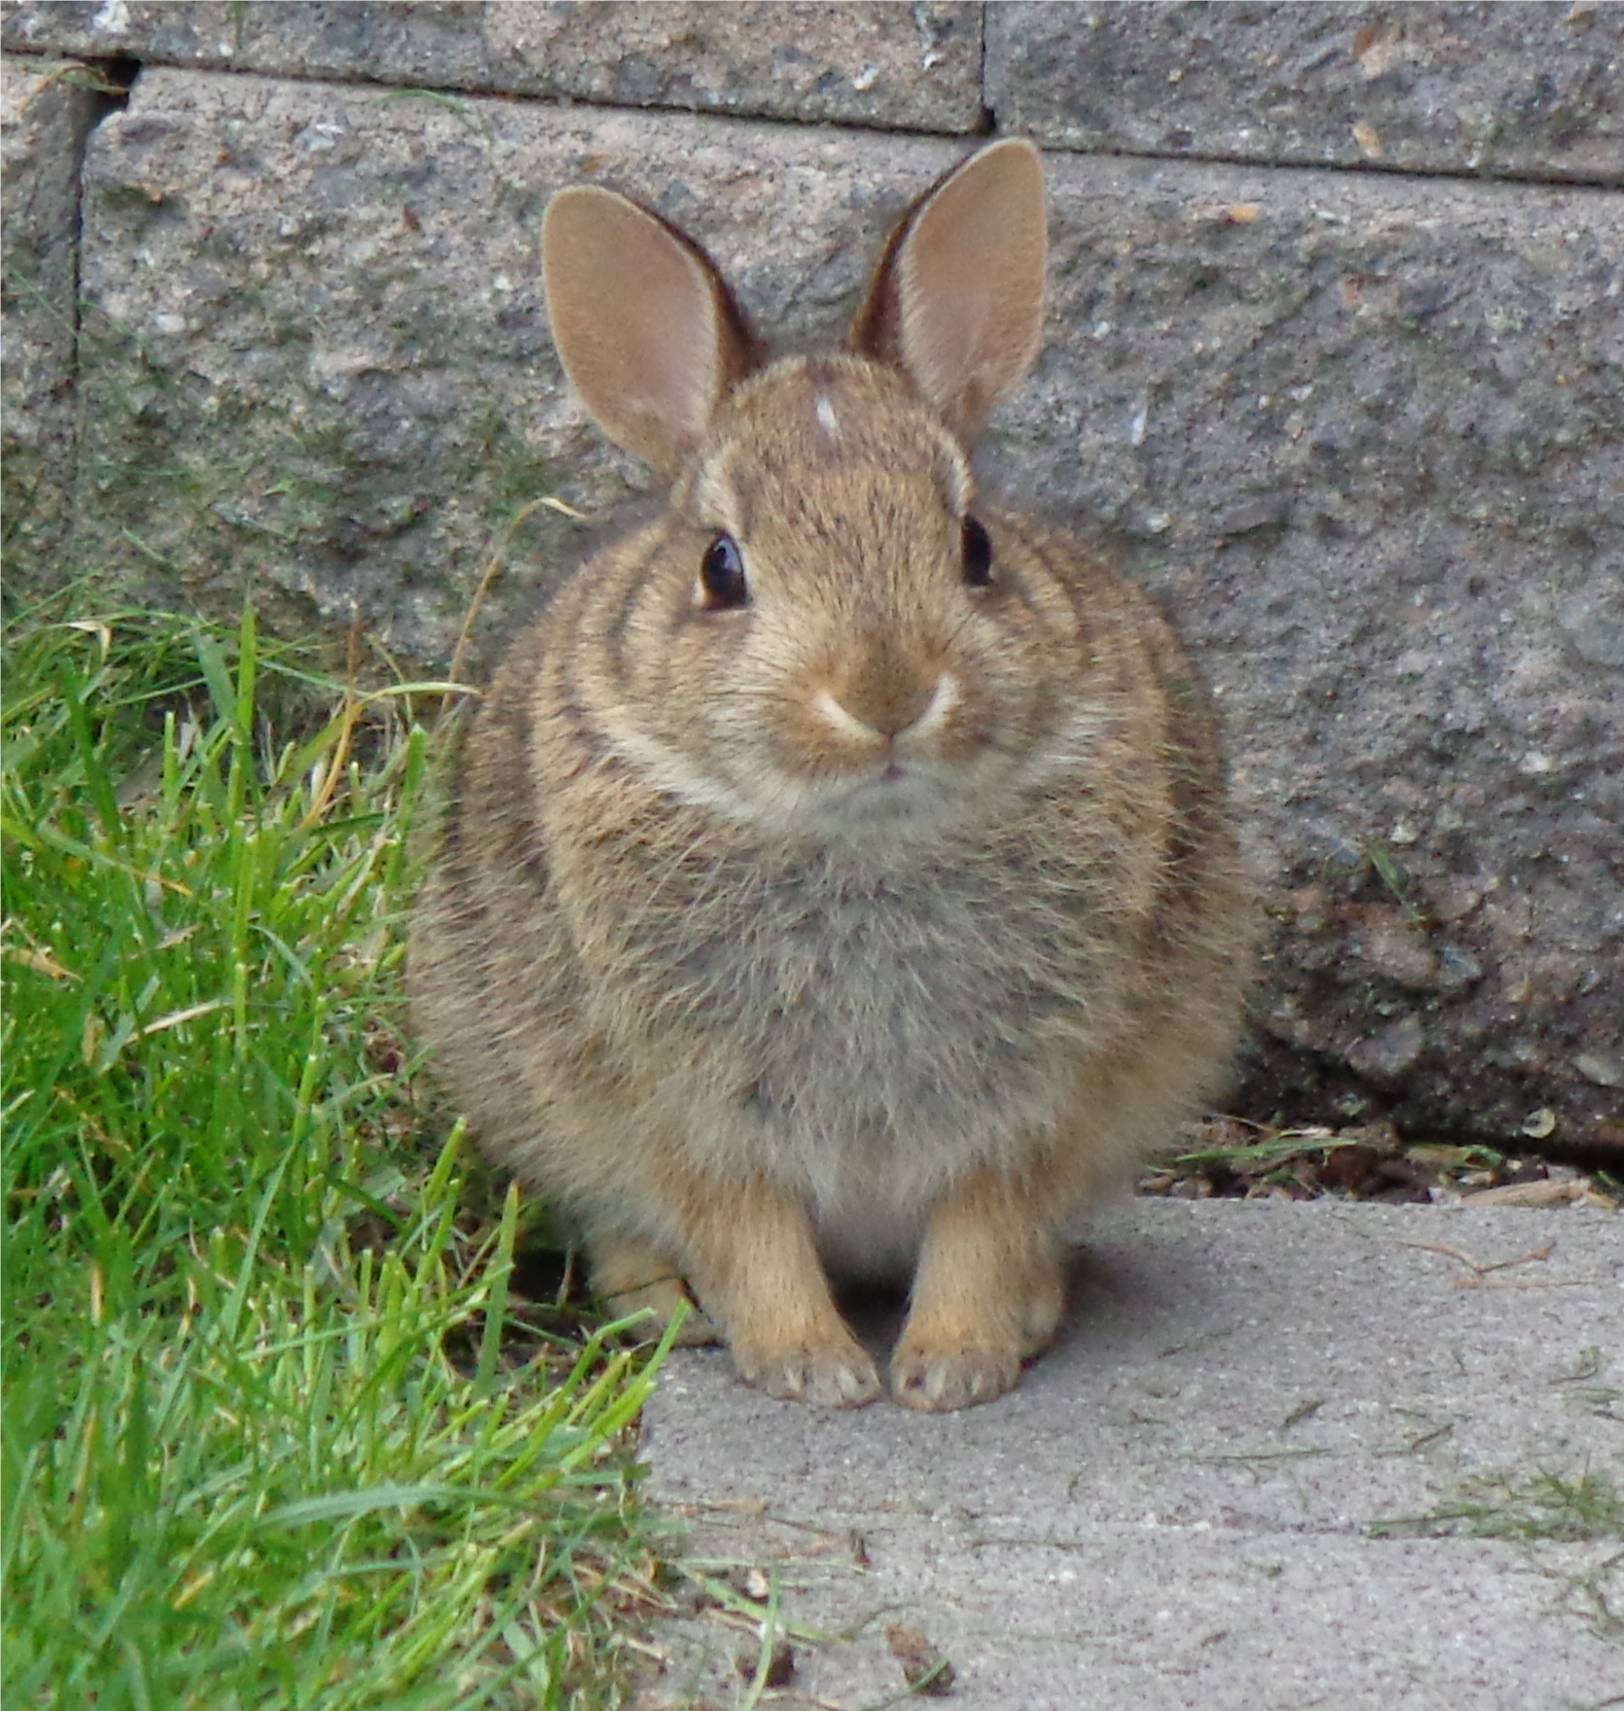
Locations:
(828, 1372)
(937, 1377)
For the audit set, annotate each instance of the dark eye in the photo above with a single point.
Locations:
(721, 574)
(977, 554)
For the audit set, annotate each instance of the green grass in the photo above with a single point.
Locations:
(273, 1436)
(1546, 1506)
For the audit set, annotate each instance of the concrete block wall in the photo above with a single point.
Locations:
(43, 124)
(1335, 366)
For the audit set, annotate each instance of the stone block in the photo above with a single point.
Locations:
(45, 110)
(1503, 89)
(897, 67)
(1364, 435)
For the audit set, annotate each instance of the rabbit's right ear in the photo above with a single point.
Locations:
(648, 332)
(957, 299)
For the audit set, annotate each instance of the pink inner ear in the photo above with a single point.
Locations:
(659, 310)
(939, 340)
(635, 318)
(957, 257)
(970, 283)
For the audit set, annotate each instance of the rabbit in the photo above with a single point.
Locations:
(838, 881)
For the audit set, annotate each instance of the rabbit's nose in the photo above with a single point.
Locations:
(879, 700)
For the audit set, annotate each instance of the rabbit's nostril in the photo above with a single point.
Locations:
(943, 699)
(843, 719)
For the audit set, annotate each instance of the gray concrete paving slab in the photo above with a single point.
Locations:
(1283, 1456)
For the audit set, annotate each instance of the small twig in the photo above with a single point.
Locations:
(348, 712)
(493, 569)
(1481, 1268)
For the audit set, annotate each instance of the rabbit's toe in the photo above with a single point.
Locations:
(936, 1378)
(832, 1374)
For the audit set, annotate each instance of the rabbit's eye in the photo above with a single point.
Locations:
(977, 554)
(721, 574)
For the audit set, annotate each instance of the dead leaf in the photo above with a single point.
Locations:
(780, 1668)
(1543, 1193)
(176, 1017)
(924, 1668)
(42, 962)
(94, 627)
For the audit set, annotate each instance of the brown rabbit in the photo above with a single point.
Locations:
(838, 880)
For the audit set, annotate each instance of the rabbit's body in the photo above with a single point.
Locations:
(872, 952)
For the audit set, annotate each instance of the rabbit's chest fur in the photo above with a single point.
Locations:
(864, 1039)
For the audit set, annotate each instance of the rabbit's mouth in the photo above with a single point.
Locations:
(895, 793)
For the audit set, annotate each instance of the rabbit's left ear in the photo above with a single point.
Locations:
(956, 301)
(649, 333)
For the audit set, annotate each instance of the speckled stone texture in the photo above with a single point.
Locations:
(44, 113)
(894, 66)
(1502, 88)
(1364, 434)
(1229, 1486)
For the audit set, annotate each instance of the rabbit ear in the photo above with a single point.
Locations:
(956, 301)
(649, 333)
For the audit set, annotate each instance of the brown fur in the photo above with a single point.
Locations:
(759, 1010)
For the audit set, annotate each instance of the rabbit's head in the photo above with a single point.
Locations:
(826, 637)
